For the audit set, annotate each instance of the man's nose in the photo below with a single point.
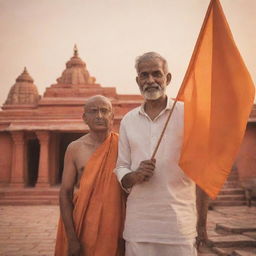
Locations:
(99, 114)
(150, 79)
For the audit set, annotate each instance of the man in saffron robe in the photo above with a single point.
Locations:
(161, 213)
(91, 202)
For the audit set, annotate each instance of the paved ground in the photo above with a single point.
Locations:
(31, 230)
(27, 230)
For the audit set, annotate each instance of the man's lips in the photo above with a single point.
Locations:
(149, 88)
(100, 123)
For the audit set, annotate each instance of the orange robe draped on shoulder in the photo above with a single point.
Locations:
(98, 206)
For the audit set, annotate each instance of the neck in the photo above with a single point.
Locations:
(155, 105)
(99, 136)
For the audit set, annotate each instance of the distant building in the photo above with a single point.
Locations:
(35, 130)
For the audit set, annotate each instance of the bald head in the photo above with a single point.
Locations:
(97, 99)
(98, 113)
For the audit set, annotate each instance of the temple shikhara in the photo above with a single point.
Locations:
(36, 130)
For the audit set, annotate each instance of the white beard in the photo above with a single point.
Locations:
(153, 94)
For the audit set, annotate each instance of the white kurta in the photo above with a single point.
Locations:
(162, 210)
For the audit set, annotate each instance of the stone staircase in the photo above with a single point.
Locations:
(232, 239)
(231, 194)
(29, 196)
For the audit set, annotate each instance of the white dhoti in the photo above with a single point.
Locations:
(154, 249)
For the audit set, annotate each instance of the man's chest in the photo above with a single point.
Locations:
(144, 136)
(82, 157)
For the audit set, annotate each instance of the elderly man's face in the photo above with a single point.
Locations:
(152, 79)
(98, 115)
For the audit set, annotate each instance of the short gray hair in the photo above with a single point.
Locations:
(149, 56)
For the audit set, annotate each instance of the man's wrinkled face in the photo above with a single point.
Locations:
(152, 79)
(98, 115)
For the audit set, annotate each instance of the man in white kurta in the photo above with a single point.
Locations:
(161, 207)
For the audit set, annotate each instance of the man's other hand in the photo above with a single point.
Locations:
(202, 238)
(74, 248)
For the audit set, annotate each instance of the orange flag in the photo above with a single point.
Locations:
(218, 93)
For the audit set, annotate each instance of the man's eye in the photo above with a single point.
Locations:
(93, 111)
(143, 75)
(157, 74)
(104, 110)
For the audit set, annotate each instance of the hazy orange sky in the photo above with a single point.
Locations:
(40, 34)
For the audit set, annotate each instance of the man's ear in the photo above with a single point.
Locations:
(111, 121)
(168, 78)
(112, 116)
(137, 80)
(84, 118)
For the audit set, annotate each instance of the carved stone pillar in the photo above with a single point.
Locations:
(17, 175)
(43, 169)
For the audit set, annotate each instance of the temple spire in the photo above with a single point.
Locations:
(75, 51)
(24, 91)
(75, 72)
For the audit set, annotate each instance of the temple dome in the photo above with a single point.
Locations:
(75, 72)
(23, 92)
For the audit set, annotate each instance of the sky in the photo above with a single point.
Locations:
(110, 34)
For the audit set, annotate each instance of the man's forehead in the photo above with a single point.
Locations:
(150, 65)
(98, 103)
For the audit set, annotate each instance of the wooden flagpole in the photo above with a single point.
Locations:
(165, 126)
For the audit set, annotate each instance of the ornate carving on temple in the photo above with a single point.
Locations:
(76, 72)
(75, 82)
(23, 92)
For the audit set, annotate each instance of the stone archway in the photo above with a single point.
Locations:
(33, 151)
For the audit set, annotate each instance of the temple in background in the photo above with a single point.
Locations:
(36, 130)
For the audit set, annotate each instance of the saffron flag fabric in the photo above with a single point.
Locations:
(218, 94)
(99, 206)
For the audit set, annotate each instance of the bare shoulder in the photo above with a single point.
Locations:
(74, 147)
(79, 152)
(83, 139)
(78, 143)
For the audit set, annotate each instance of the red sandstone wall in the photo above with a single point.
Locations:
(246, 160)
(5, 157)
